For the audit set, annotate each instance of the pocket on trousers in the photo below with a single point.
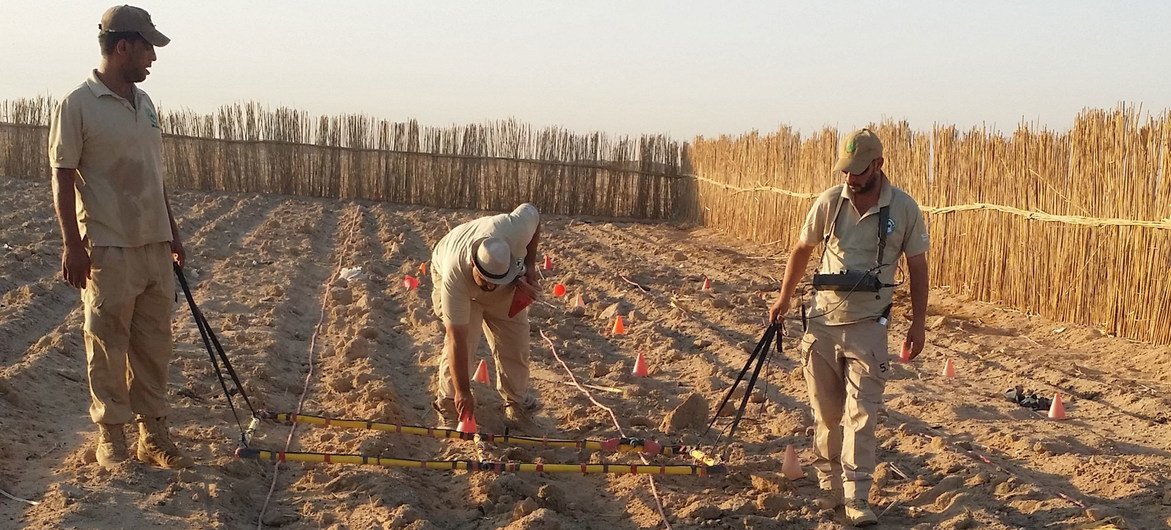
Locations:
(806, 347)
(99, 272)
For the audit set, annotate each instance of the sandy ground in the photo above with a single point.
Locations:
(265, 267)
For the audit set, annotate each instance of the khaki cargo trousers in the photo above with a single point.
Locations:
(128, 302)
(508, 339)
(846, 368)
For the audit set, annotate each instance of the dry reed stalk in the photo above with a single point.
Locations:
(1112, 165)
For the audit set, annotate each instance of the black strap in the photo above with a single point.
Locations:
(883, 220)
(210, 339)
(758, 356)
(831, 223)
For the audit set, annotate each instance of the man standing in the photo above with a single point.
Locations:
(105, 148)
(864, 226)
(476, 269)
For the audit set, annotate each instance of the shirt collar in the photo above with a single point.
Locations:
(100, 89)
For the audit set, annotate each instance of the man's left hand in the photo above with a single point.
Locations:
(916, 336)
(527, 287)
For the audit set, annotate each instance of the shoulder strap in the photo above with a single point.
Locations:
(832, 221)
(883, 221)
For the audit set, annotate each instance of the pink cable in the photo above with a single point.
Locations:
(654, 490)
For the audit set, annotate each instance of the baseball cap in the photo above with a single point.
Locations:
(857, 150)
(129, 18)
(493, 258)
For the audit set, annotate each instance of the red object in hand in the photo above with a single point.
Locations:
(467, 424)
(520, 300)
(905, 356)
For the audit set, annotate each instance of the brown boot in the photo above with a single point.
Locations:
(111, 449)
(155, 445)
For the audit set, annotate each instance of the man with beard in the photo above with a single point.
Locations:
(479, 270)
(863, 225)
(105, 148)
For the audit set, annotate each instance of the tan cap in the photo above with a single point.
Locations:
(129, 18)
(858, 150)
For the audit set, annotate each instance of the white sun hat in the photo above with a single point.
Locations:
(493, 258)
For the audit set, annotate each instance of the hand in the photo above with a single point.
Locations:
(916, 337)
(75, 265)
(527, 287)
(464, 403)
(776, 313)
(532, 276)
(177, 252)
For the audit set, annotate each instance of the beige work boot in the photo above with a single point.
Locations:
(111, 449)
(830, 499)
(515, 414)
(445, 408)
(155, 446)
(858, 513)
(520, 413)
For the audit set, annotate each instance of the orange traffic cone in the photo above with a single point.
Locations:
(548, 263)
(410, 282)
(790, 467)
(558, 290)
(707, 284)
(467, 424)
(481, 373)
(1057, 409)
(949, 369)
(619, 326)
(905, 355)
(640, 369)
(578, 302)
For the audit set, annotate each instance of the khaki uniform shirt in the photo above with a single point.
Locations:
(452, 258)
(117, 150)
(854, 246)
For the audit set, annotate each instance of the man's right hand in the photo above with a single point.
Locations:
(75, 265)
(776, 313)
(465, 404)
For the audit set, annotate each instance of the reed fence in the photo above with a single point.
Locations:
(1072, 225)
(494, 166)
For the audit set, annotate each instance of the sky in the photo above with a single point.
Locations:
(627, 67)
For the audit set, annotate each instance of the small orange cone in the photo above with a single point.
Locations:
(619, 326)
(558, 290)
(410, 282)
(481, 373)
(423, 268)
(790, 467)
(1057, 409)
(905, 355)
(640, 369)
(578, 302)
(949, 369)
(467, 424)
(707, 284)
(548, 263)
